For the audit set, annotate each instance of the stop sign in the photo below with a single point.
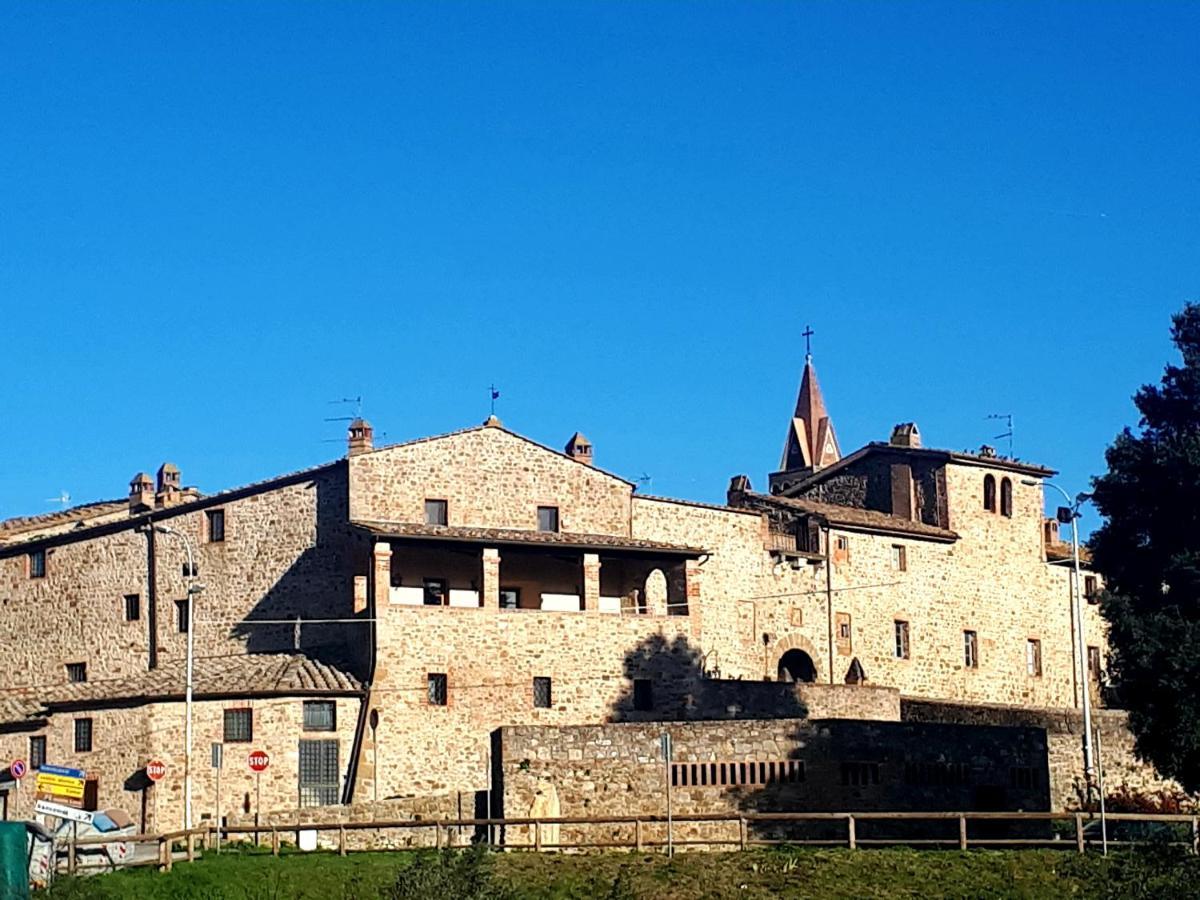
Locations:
(156, 769)
(259, 761)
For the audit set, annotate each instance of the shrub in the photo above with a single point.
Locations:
(459, 874)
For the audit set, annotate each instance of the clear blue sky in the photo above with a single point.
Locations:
(216, 218)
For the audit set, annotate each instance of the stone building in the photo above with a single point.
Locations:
(374, 624)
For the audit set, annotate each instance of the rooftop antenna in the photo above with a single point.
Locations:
(494, 395)
(357, 401)
(63, 497)
(643, 481)
(1008, 419)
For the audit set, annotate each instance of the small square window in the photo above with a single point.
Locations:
(216, 525)
(37, 564)
(510, 597)
(437, 688)
(436, 512)
(239, 725)
(83, 735)
(77, 672)
(192, 571)
(1033, 657)
(971, 649)
(842, 544)
(133, 607)
(182, 620)
(547, 518)
(643, 694)
(436, 593)
(37, 751)
(542, 697)
(320, 715)
(902, 648)
(899, 558)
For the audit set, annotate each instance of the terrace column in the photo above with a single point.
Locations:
(490, 596)
(382, 561)
(591, 582)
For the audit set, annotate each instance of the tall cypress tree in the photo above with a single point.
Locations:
(1148, 551)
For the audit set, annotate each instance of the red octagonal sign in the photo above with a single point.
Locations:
(259, 761)
(156, 769)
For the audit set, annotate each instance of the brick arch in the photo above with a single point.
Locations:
(797, 642)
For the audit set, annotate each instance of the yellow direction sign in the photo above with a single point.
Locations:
(59, 782)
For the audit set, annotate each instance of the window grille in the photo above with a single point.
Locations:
(319, 772)
(320, 715)
(858, 774)
(83, 735)
(754, 773)
(902, 647)
(37, 751)
(542, 693)
(37, 564)
(437, 689)
(239, 726)
(216, 525)
(76, 672)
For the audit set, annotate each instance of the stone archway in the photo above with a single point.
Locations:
(800, 657)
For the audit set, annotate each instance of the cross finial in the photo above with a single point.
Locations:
(495, 395)
(807, 334)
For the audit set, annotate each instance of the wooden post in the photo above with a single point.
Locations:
(191, 847)
(742, 832)
(1195, 836)
(274, 841)
(168, 855)
(1079, 832)
(162, 855)
(537, 836)
(341, 840)
(71, 848)
(437, 835)
(962, 832)
(637, 834)
(850, 832)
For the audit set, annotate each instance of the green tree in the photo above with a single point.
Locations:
(1148, 551)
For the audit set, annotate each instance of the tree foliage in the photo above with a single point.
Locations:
(1148, 551)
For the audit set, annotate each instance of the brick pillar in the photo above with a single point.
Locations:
(490, 596)
(360, 593)
(691, 585)
(383, 573)
(591, 582)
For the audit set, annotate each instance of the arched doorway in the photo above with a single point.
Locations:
(796, 665)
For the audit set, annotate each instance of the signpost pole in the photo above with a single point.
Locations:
(257, 803)
(217, 813)
(666, 753)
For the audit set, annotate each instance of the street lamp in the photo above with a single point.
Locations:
(1072, 512)
(192, 589)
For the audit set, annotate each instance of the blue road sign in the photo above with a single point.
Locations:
(48, 769)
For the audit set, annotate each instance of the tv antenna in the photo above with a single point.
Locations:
(63, 497)
(357, 401)
(494, 395)
(643, 481)
(1007, 418)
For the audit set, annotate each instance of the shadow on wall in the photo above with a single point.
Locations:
(318, 585)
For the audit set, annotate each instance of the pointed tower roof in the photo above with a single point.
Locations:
(811, 442)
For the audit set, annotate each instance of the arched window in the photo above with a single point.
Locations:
(1006, 498)
(989, 493)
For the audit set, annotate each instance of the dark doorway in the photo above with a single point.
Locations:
(796, 665)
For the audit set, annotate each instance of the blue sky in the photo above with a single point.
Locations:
(214, 219)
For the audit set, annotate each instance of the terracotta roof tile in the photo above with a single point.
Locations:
(518, 536)
(853, 517)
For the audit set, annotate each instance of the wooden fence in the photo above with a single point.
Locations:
(1076, 832)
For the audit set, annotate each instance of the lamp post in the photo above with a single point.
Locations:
(1072, 507)
(192, 589)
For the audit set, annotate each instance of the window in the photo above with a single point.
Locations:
(436, 593)
(860, 773)
(510, 597)
(899, 558)
(901, 628)
(37, 564)
(76, 672)
(37, 751)
(547, 518)
(1033, 657)
(989, 493)
(643, 694)
(1006, 507)
(842, 545)
(320, 715)
(83, 735)
(181, 616)
(1022, 777)
(216, 525)
(970, 649)
(437, 688)
(319, 772)
(542, 697)
(436, 512)
(133, 607)
(737, 774)
(1094, 663)
(1090, 591)
(239, 725)
(936, 774)
(191, 572)
(843, 633)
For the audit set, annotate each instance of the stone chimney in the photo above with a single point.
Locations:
(141, 493)
(739, 486)
(1050, 531)
(906, 434)
(580, 448)
(361, 437)
(169, 487)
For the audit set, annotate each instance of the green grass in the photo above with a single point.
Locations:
(896, 873)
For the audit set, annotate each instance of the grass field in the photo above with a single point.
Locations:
(757, 874)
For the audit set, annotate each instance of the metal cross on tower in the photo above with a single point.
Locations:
(807, 334)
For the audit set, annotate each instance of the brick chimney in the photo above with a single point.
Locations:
(168, 488)
(361, 437)
(906, 434)
(1050, 531)
(141, 493)
(580, 448)
(739, 486)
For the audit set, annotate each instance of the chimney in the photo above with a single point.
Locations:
(361, 437)
(580, 448)
(739, 486)
(168, 491)
(141, 493)
(906, 434)
(1050, 531)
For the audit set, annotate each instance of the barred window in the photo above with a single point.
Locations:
(37, 751)
(860, 773)
(319, 772)
(1022, 777)
(437, 688)
(216, 525)
(320, 715)
(902, 647)
(239, 725)
(83, 735)
(133, 607)
(77, 672)
(542, 693)
(753, 773)
(37, 564)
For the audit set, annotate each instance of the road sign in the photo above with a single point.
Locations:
(59, 786)
(17, 769)
(49, 808)
(218, 755)
(258, 761)
(156, 769)
(65, 772)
